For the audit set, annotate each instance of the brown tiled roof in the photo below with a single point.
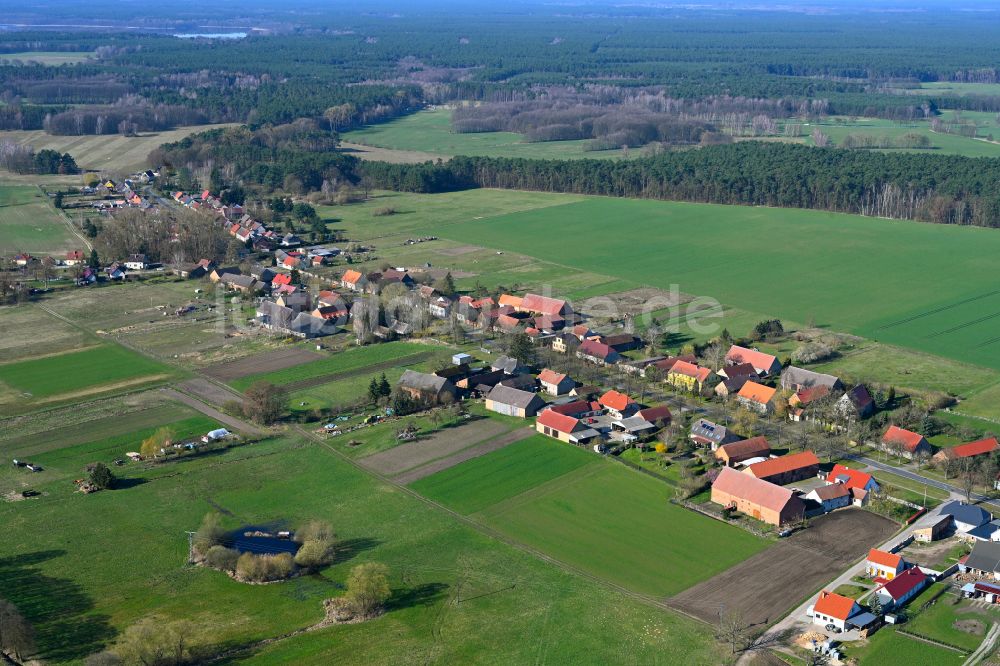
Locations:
(782, 464)
(756, 491)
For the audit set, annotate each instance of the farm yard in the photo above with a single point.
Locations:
(105, 153)
(764, 587)
(29, 223)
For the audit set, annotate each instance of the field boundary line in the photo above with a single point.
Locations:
(404, 477)
(499, 536)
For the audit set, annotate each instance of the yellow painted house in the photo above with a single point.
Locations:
(688, 376)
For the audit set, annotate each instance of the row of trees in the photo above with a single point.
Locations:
(23, 159)
(933, 188)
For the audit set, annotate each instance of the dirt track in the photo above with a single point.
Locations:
(482, 449)
(441, 444)
(768, 584)
(271, 361)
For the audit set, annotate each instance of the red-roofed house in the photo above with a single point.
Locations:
(618, 404)
(758, 499)
(852, 478)
(881, 564)
(978, 448)
(555, 383)
(902, 588)
(578, 409)
(756, 397)
(281, 279)
(786, 469)
(905, 443)
(544, 305)
(831, 608)
(74, 258)
(597, 352)
(564, 428)
(659, 416)
(353, 280)
(764, 364)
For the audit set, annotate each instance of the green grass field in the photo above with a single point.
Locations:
(348, 361)
(104, 561)
(482, 482)
(888, 648)
(76, 375)
(923, 300)
(29, 223)
(429, 131)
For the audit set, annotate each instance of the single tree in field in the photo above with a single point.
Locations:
(733, 630)
(101, 477)
(264, 402)
(368, 588)
(152, 641)
(17, 637)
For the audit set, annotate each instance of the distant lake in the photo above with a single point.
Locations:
(212, 35)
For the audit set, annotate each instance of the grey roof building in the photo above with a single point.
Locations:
(799, 378)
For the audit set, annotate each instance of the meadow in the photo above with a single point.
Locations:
(482, 482)
(50, 58)
(113, 154)
(109, 559)
(941, 143)
(75, 375)
(794, 264)
(29, 223)
(428, 133)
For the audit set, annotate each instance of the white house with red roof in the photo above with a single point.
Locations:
(852, 478)
(902, 588)
(563, 427)
(555, 383)
(618, 404)
(832, 608)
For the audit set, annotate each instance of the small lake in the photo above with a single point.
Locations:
(212, 35)
(260, 541)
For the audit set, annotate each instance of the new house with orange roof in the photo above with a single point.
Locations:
(618, 404)
(881, 564)
(852, 478)
(832, 608)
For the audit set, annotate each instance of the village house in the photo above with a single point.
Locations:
(756, 397)
(740, 370)
(802, 399)
(74, 258)
(579, 409)
(747, 449)
(980, 447)
(852, 479)
(199, 270)
(967, 517)
(622, 342)
(597, 352)
(856, 404)
(564, 428)
(881, 564)
(830, 497)
(659, 416)
(339, 313)
(217, 273)
(513, 402)
(544, 305)
(440, 307)
(353, 280)
(23, 259)
(689, 377)
(298, 301)
(618, 404)
(705, 433)
(786, 469)
(894, 594)
(905, 443)
(758, 499)
(764, 364)
(245, 284)
(563, 342)
(667, 364)
(831, 608)
(427, 388)
(796, 379)
(555, 383)
(730, 386)
(115, 271)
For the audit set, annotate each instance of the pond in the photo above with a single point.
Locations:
(262, 540)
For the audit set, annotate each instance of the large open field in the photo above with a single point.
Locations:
(74, 375)
(791, 263)
(104, 561)
(112, 153)
(29, 223)
(428, 133)
(595, 515)
(51, 58)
